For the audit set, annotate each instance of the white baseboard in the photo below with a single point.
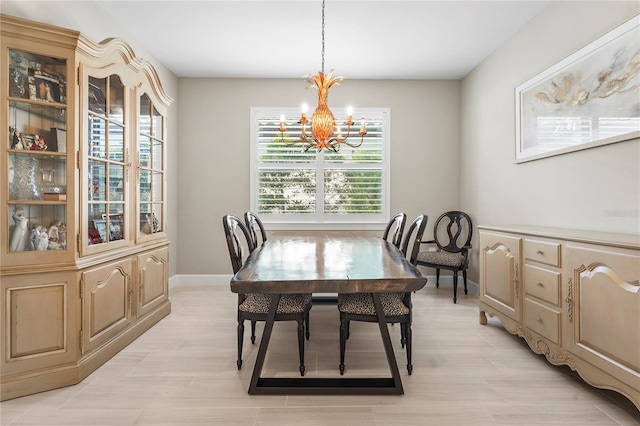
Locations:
(193, 279)
(446, 281)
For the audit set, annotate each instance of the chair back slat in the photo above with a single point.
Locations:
(412, 240)
(396, 223)
(256, 228)
(231, 225)
(459, 230)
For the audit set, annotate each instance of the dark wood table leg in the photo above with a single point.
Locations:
(388, 346)
(264, 343)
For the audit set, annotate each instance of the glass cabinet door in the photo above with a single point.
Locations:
(151, 151)
(36, 108)
(107, 161)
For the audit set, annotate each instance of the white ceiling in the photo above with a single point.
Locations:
(283, 39)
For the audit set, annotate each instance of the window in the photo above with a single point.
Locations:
(322, 190)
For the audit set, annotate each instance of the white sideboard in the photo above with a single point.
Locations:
(574, 296)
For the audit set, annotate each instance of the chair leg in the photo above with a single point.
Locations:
(437, 278)
(407, 327)
(301, 344)
(403, 336)
(455, 287)
(253, 332)
(306, 325)
(344, 324)
(464, 278)
(240, 339)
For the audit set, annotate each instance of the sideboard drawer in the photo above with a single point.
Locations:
(542, 320)
(542, 283)
(542, 251)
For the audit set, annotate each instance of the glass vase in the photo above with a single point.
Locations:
(25, 179)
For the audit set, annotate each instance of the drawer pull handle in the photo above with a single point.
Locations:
(539, 284)
(539, 252)
(539, 320)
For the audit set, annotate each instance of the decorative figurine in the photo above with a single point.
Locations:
(35, 237)
(43, 244)
(62, 236)
(38, 144)
(20, 234)
(16, 140)
(53, 233)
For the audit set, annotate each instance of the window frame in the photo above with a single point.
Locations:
(320, 220)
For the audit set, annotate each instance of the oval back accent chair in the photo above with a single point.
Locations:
(452, 234)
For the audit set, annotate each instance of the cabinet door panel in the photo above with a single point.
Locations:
(603, 303)
(37, 329)
(106, 307)
(500, 275)
(153, 280)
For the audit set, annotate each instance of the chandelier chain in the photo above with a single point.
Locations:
(322, 36)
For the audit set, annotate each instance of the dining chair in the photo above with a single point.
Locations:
(395, 306)
(396, 223)
(452, 234)
(255, 307)
(255, 227)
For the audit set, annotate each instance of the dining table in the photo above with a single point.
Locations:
(326, 263)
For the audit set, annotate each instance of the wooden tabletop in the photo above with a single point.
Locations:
(327, 264)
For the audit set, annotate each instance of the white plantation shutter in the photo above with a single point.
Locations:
(290, 185)
(560, 132)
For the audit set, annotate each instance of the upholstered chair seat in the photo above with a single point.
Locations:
(362, 304)
(441, 258)
(289, 303)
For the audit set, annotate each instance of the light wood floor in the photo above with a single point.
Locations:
(183, 372)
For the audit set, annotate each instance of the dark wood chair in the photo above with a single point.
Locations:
(452, 234)
(255, 307)
(256, 228)
(396, 306)
(396, 223)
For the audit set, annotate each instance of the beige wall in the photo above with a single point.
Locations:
(462, 131)
(575, 190)
(214, 151)
(81, 16)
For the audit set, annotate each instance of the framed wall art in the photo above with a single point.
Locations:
(591, 98)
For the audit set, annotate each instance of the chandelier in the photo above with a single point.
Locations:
(325, 134)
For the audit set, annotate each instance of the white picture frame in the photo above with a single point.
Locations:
(591, 98)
